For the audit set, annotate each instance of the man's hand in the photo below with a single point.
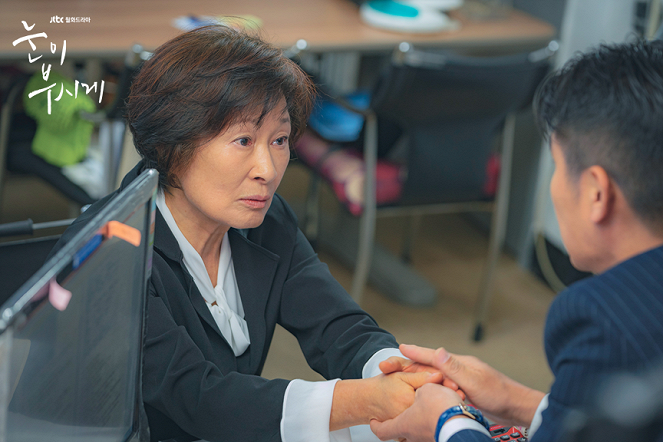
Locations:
(499, 397)
(397, 364)
(417, 423)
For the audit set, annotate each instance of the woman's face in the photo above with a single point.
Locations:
(231, 180)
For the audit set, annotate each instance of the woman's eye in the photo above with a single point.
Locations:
(281, 141)
(244, 141)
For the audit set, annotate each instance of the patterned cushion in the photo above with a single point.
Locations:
(344, 169)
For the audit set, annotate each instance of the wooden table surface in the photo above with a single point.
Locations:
(327, 25)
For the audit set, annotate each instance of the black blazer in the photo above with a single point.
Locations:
(193, 385)
(610, 323)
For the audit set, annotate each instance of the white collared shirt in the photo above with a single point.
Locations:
(223, 300)
(307, 408)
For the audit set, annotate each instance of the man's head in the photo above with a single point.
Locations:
(603, 112)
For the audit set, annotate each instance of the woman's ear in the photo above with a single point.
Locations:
(599, 189)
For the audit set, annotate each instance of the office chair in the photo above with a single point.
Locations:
(21, 258)
(451, 109)
(658, 35)
(17, 131)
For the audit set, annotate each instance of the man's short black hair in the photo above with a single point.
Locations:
(605, 107)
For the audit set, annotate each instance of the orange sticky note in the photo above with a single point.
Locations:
(122, 231)
(58, 296)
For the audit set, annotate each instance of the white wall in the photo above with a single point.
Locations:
(586, 23)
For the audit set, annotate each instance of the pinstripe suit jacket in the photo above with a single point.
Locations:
(612, 322)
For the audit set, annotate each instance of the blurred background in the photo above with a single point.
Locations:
(434, 297)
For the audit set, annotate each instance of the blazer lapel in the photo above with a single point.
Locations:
(165, 241)
(255, 268)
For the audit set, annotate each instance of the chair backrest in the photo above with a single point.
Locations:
(14, 93)
(132, 63)
(17, 131)
(19, 260)
(451, 108)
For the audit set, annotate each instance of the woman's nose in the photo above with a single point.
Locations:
(264, 167)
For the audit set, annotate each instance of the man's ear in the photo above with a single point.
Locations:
(600, 190)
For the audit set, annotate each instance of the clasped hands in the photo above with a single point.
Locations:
(445, 380)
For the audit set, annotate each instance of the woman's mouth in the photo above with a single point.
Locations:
(255, 201)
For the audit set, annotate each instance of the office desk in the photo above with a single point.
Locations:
(327, 25)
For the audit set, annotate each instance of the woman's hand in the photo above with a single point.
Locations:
(418, 422)
(358, 401)
(395, 392)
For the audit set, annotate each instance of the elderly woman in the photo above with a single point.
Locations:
(215, 112)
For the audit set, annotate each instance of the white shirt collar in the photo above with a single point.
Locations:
(224, 300)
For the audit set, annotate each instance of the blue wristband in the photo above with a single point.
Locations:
(463, 409)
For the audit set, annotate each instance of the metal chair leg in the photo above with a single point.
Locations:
(498, 227)
(485, 291)
(312, 219)
(364, 255)
(367, 221)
